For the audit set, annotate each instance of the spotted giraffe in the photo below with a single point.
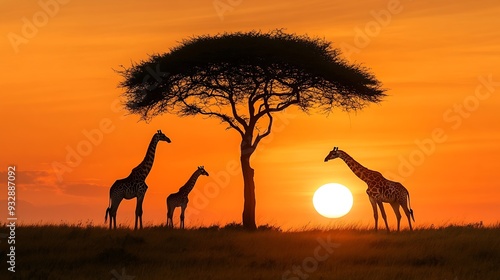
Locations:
(379, 190)
(180, 198)
(134, 185)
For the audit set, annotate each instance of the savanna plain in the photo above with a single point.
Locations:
(452, 252)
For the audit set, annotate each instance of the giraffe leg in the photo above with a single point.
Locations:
(112, 216)
(395, 206)
(407, 213)
(112, 211)
(138, 212)
(183, 208)
(108, 212)
(375, 212)
(170, 214)
(384, 216)
(171, 205)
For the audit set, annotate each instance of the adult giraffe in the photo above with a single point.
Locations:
(379, 190)
(134, 185)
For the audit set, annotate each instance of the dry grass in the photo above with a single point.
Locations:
(88, 252)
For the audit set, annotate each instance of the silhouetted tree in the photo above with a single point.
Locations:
(242, 79)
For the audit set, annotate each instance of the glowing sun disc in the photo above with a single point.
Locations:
(333, 200)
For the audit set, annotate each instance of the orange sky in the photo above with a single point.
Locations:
(438, 59)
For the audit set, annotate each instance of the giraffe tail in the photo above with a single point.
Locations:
(411, 210)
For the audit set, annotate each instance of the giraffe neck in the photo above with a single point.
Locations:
(186, 189)
(142, 170)
(358, 169)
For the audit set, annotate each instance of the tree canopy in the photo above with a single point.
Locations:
(284, 68)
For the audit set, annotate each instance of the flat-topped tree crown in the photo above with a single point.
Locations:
(242, 79)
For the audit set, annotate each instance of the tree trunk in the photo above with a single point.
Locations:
(248, 188)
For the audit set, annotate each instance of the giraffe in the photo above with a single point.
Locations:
(379, 190)
(180, 198)
(134, 185)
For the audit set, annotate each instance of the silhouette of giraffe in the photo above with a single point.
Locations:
(180, 198)
(379, 190)
(134, 185)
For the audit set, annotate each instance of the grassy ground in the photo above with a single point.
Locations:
(86, 252)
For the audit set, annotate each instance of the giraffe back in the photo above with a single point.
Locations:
(128, 188)
(388, 191)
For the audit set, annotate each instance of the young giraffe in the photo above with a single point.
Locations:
(379, 190)
(134, 185)
(180, 198)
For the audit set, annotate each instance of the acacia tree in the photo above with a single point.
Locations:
(243, 79)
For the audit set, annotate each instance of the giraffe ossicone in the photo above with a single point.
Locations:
(380, 190)
(180, 198)
(134, 186)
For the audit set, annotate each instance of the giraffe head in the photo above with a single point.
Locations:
(161, 137)
(202, 170)
(333, 154)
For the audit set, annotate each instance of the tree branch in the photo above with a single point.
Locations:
(268, 131)
(269, 125)
(197, 110)
(229, 97)
(224, 118)
(235, 113)
(280, 107)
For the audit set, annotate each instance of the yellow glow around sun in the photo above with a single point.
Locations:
(333, 200)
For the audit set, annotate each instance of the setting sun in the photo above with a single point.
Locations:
(333, 200)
